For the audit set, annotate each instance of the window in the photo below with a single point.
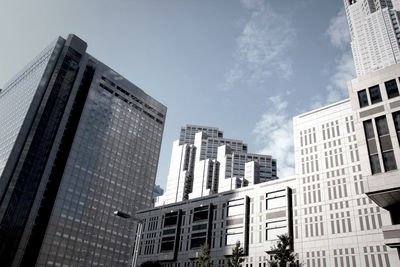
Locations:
(234, 235)
(200, 213)
(391, 88)
(396, 119)
(167, 243)
(276, 199)
(199, 227)
(275, 228)
(236, 207)
(363, 98)
(171, 219)
(371, 145)
(389, 160)
(375, 94)
(198, 239)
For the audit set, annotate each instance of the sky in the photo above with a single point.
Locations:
(244, 66)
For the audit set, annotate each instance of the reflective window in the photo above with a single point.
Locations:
(198, 239)
(273, 229)
(234, 235)
(363, 98)
(276, 199)
(389, 160)
(391, 88)
(200, 213)
(371, 145)
(375, 94)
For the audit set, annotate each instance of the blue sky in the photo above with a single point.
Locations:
(245, 66)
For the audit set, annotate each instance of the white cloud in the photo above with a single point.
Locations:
(344, 71)
(338, 32)
(274, 133)
(262, 47)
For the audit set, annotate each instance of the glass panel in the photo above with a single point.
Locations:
(276, 202)
(381, 126)
(369, 129)
(375, 166)
(396, 119)
(389, 161)
(236, 210)
(391, 88)
(375, 94)
(273, 233)
(231, 239)
(363, 98)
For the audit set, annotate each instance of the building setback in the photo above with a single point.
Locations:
(203, 162)
(78, 141)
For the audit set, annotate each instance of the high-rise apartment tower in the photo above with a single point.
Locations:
(375, 34)
(203, 162)
(77, 142)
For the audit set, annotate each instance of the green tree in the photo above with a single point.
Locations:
(281, 253)
(204, 259)
(151, 264)
(237, 256)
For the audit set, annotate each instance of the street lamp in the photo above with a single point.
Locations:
(138, 234)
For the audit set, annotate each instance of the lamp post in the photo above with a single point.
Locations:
(138, 234)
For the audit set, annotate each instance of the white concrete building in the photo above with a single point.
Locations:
(205, 163)
(375, 33)
(335, 223)
(376, 105)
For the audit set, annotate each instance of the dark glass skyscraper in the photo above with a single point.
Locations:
(77, 142)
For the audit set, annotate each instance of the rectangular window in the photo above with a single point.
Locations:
(236, 207)
(198, 239)
(391, 88)
(276, 199)
(386, 144)
(396, 119)
(171, 219)
(371, 145)
(375, 94)
(234, 235)
(167, 243)
(275, 228)
(200, 213)
(363, 98)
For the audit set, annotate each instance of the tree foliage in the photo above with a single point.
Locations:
(204, 259)
(282, 254)
(151, 264)
(237, 256)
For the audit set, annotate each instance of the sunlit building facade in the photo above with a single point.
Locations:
(203, 162)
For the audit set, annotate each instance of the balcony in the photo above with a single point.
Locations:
(391, 234)
(383, 189)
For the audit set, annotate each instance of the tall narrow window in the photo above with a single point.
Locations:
(389, 160)
(396, 119)
(391, 88)
(371, 144)
(375, 94)
(363, 98)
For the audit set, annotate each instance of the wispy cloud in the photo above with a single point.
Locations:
(339, 37)
(338, 32)
(274, 133)
(261, 49)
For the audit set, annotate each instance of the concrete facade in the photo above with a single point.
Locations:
(253, 215)
(379, 113)
(203, 162)
(374, 30)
